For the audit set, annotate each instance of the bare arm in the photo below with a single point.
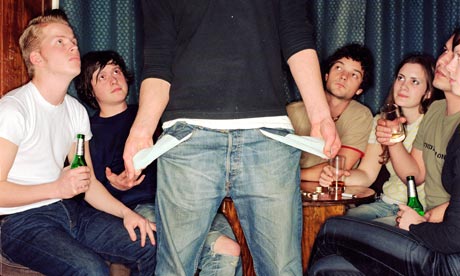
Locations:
(368, 168)
(313, 173)
(436, 214)
(154, 96)
(98, 197)
(305, 69)
(404, 163)
(70, 183)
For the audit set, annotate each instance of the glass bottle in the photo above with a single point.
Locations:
(412, 198)
(79, 158)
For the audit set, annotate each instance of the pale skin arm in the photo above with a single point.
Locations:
(436, 214)
(313, 173)
(98, 197)
(403, 162)
(305, 69)
(364, 175)
(154, 96)
(69, 184)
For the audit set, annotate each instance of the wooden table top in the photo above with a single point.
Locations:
(352, 195)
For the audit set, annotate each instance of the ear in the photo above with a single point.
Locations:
(359, 91)
(326, 76)
(35, 58)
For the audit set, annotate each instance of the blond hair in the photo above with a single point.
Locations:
(31, 37)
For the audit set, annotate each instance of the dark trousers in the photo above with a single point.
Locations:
(350, 246)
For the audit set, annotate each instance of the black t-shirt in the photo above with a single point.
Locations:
(223, 58)
(107, 146)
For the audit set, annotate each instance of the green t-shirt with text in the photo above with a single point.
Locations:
(432, 138)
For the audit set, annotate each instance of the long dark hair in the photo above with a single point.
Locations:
(428, 64)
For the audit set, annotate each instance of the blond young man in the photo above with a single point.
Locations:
(42, 227)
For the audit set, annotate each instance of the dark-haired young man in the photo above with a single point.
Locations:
(349, 73)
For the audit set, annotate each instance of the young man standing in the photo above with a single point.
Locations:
(214, 69)
(349, 73)
(42, 227)
(103, 85)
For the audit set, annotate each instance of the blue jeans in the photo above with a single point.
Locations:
(211, 263)
(362, 247)
(70, 238)
(262, 177)
(378, 211)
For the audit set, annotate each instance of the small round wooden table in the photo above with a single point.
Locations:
(319, 206)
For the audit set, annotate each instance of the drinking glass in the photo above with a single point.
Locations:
(337, 186)
(390, 112)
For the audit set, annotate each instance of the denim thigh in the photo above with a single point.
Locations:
(262, 177)
(70, 238)
(147, 210)
(44, 240)
(374, 210)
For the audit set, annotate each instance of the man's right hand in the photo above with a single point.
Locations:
(73, 181)
(133, 145)
(326, 129)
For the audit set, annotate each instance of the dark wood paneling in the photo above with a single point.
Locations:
(14, 15)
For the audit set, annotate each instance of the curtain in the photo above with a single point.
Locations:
(390, 28)
(109, 25)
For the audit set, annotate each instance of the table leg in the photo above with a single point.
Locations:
(313, 219)
(229, 211)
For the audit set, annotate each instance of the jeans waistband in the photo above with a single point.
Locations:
(389, 200)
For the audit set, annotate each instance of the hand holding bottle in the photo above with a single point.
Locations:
(408, 216)
(79, 159)
(73, 182)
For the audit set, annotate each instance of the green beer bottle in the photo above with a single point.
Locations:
(79, 158)
(412, 198)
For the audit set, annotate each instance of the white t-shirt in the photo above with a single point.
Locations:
(44, 134)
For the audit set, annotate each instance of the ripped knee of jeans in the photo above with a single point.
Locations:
(223, 245)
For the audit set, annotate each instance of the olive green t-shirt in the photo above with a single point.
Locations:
(432, 138)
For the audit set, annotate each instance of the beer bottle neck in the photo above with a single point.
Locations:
(80, 147)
